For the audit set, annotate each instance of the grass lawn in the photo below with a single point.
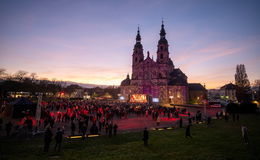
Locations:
(221, 141)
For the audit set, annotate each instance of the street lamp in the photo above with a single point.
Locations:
(205, 105)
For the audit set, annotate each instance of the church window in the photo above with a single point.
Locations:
(161, 48)
(146, 75)
(160, 75)
(135, 59)
(161, 56)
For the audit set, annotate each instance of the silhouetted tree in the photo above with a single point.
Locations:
(256, 86)
(2, 73)
(20, 75)
(243, 84)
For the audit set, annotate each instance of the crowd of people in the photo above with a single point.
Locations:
(84, 117)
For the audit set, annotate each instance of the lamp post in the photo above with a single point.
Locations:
(38, 109)
(205, 105)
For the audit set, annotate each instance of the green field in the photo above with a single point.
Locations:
(221, 141)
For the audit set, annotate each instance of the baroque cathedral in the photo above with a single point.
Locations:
(154, 81)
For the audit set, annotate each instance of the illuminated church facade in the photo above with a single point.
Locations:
(154, 80)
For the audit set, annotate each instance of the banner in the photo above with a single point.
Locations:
(138, 98)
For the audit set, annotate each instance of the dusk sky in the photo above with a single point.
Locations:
(92, 41)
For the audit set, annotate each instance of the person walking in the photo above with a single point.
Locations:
(58, 138)
(8, 128)
(190, 121)
(226, 117)
(84, 131)
(73, 128)
(115, 129)
(158, 121)
(145, 136)
(106, 128)
(187, 133)
(110, 128)
(47, 139)
(208, 121)
(180, 122)
(244, 130)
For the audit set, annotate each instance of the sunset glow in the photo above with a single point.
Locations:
(92, 41)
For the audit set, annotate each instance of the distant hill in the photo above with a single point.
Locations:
(86, 85)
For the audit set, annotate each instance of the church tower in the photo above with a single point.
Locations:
(162, 47)
(138, 55)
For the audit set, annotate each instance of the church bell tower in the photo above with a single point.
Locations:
(138, 55)
(162, 47)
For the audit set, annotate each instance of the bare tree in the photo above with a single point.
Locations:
(2, 73)
(20, 75)
(33, 76)
(256, 83)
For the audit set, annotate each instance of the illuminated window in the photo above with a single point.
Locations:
(178, 94)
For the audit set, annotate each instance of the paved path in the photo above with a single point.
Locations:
(137, 123)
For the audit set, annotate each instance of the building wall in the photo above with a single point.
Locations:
(166, 94)
(178, 94)
(197, 96)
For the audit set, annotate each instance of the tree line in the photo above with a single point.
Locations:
(30, 82)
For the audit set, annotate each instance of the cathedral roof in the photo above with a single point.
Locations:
(138, 40)
(177, 77)
(170, 62)
(229, 86)
(163, 41)
(196, 87)
(162, 32)
(149, 60)
(138, 45)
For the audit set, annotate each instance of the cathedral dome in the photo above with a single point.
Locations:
(126, 82)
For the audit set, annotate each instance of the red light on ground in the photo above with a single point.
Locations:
(169, 119)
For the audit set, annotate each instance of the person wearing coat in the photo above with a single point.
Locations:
(145, 136)
(187, 133)
(47, 139)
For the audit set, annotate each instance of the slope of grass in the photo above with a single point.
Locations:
(221, 141)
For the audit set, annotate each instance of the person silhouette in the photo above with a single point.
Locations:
(145, 136)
